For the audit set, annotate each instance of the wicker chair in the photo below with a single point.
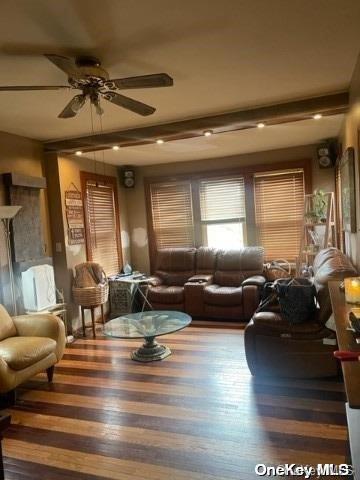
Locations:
(90, 290)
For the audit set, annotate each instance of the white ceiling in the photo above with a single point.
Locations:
(222, 56)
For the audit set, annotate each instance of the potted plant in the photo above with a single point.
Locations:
(311, 217)
(320, 205)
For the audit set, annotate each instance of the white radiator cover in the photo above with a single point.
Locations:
(38, 286)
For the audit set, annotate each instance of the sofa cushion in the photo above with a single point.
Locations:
(225, 296)
(21, 352)
(166, 294)
(205, 260)
(234, 266)
(7, 327)
(247, 258)
(174, 278)
(176, 259)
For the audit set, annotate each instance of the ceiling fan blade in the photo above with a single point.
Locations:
(20, 88)
(73, 107)
(129, 103)
(65, 64)
(144, 81)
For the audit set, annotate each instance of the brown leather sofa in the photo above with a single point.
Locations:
(273, 346)
(29, 344)
(209, 283)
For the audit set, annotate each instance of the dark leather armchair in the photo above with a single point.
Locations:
(174, 266)
(273, 346)
(235, 292)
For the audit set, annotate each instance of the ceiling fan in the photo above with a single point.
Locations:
(85, 74)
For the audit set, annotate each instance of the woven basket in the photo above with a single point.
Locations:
(91, 296)
(277, 269)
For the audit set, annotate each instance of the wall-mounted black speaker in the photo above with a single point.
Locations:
(127, 177)
(328, 153)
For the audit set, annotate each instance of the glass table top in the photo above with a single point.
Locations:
(146, 324)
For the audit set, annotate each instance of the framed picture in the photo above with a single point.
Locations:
(347, 181)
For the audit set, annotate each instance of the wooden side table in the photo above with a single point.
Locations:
(92, 309)
(351, 370)
(4, 424)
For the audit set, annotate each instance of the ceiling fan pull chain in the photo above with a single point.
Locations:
(92, 133)
(102, 151)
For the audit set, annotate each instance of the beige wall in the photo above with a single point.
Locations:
(69, 172)
(135, 198)
(62, 172)
(350, 138)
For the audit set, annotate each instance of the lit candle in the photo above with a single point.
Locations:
(352, 289)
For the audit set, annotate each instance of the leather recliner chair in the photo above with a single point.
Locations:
(174, 266)
(235, 291)
(273, 346)
(29, 344)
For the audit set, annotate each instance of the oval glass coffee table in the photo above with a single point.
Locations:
(148, 325)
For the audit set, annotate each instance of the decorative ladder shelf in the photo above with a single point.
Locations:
(316, 235)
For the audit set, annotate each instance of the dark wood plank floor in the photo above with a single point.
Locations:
(196, 415)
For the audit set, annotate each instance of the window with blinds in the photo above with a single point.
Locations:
(101, 221)
(222, 211)
(279, 203)
(172, 214)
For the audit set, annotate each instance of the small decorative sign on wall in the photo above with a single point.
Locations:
(75, 217)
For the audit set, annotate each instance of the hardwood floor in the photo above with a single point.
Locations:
(196, 415)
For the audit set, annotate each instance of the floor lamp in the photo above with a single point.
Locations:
(7, 213)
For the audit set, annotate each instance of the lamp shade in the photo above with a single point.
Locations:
(9, 211)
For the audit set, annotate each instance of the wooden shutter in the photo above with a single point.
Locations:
(222, 199)
(172, 214)
(101, 219)
(279, 204)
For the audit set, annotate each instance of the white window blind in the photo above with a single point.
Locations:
(172, 214)
(222, 200)
(222, 212)
(279, 203)
(102, 241)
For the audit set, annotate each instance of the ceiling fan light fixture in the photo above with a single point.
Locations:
(116, 147)
(78, 153)
(78, 103)
(261, 125)
(159, 141)
(317, 116)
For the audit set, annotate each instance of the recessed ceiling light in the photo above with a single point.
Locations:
(116, 147)
(78, 153)
(208, 133)
(317, 116)
(261, 125)
(159, 141)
